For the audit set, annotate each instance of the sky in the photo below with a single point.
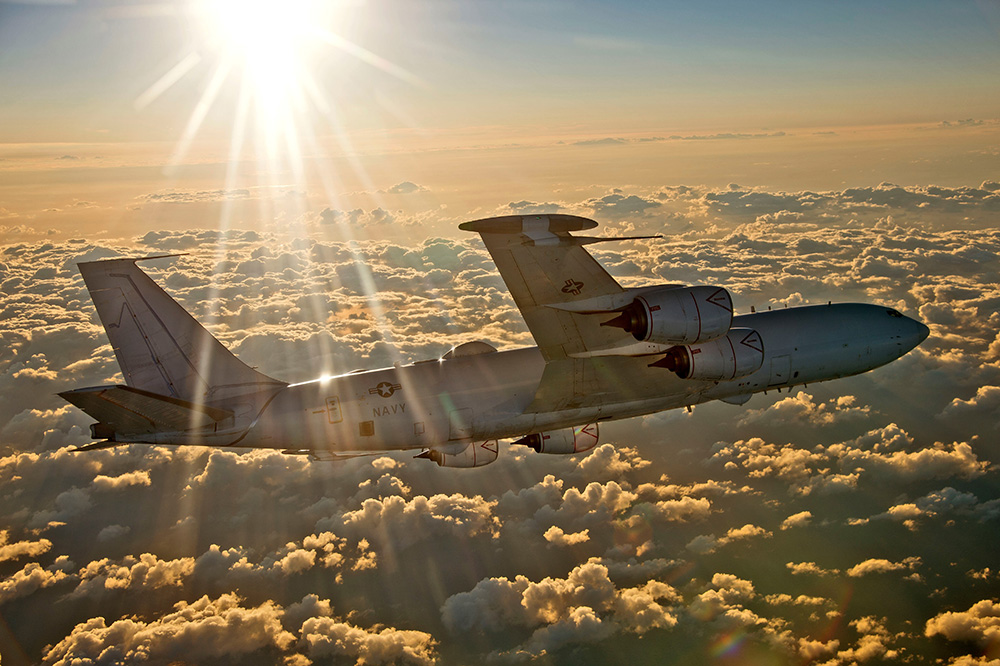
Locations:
(313, 161)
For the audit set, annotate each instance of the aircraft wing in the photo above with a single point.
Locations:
(565, 296)
(546, 270)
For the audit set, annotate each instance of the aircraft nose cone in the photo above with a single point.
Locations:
(915, 333)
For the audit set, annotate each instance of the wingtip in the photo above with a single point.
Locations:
(96, 446)
(133, 259)
(516, 224)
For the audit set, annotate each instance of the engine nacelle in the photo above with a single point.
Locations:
(567, 440)
(739, 353)
(475, 454)
(677, 315)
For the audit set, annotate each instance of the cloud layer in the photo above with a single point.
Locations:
(837, 523)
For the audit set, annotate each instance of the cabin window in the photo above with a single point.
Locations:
(366, 428)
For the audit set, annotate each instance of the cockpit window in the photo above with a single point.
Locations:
(892, 313)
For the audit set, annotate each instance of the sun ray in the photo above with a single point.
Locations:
(369, 58)
(167, 81)
(200, 111)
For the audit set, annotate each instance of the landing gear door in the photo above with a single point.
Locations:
(781, 370)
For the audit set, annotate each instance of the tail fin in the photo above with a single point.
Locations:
(160, 347)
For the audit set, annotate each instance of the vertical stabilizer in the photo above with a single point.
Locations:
(159, 346)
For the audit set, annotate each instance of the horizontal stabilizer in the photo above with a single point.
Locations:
(133, 411)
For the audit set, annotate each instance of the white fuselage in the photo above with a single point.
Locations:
(448, 402)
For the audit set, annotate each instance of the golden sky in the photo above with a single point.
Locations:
(113, 109)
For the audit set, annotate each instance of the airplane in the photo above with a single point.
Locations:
(604, 352)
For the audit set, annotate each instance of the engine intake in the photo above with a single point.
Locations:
(677, 315)
(739, 353)
(565, 441)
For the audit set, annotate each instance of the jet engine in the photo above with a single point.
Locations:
(677, 315)
(567, 440)
(739, 353)
(475, 454)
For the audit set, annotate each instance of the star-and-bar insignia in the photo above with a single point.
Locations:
(384, 389)
(573, 287)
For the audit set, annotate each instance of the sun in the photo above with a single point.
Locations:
(266, 40)
(269, 52)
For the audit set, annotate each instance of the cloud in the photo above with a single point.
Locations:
(581, 608)
(685, 508)
(606, 141)
(609, 461)
(112, 532)
(174, 196)
(803, 410)
(405, 187)
(19, 549)
(450, 555)
(800, 519)
(881, 565)
(138, 478)
(873, 642)
(986, 400)
(709, 543)
(871, 455)
(980, 624)
(26, 581)
(357, 217)
(618, 205)
(329, 637)
(967, 122)
(809, 568)
(197, 631)
(437, 515)
(525, 207)
(557, 537)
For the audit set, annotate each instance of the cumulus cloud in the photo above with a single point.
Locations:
(556, 536)
(800, 519)
(375, 217)
(980, 624)
(583, 607)
(874, 641)
(809, 568)
(985, 401)
(138, 478)
(19, 549)
(803, 410)
(439, 514)
(503, 552)
(405, 187)
(708, 543)
(878, 565)
(26, 581)
(872, 455)
(329, 637)
(618, 205)
(198, 631)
